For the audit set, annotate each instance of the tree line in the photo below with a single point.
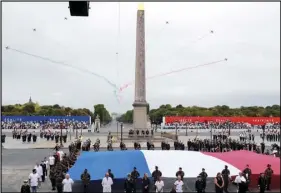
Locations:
(34, 109)
(156, 115)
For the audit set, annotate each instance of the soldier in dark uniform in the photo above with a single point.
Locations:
(110, 174)
(225, 175)
(25, 188)
(34, 137)
(204, 177)
(129, 184)
(180, 173)
(135, 175)
(59, 179)
(14, 134)
(268, 174)
(199, 185)
(262, 183)
(57, 137)
(247, 172)
(86, 178)
(29, 137)
(156, 173)
(52, 176)
(24, 137)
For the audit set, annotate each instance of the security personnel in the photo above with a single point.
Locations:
(204, 177)
(268, 174)
(86, 178)
(135, 175)
(52, 176)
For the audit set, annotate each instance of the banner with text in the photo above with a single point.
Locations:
(45, 118)
(250, 120)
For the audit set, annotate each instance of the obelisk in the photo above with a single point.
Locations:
(140, 104)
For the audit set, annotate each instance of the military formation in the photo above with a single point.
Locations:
(61, 166)
(24, 135)
(53, 136)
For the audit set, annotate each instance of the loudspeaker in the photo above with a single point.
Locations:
(79, 8)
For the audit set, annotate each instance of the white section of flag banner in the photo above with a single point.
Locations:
(191, 163)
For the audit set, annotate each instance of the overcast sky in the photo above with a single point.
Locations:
(248, 34)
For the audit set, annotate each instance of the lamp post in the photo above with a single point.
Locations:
(76, 130)
(263, 133)
(176, 131)
(117, 130)
(61, 127)
(121, 125)
(185, 129)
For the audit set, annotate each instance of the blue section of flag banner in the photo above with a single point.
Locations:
(120, 162)
(44, 118)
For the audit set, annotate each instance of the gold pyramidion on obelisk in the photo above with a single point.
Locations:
(141, 6)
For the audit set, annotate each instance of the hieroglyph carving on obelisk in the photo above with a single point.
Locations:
(140, 104)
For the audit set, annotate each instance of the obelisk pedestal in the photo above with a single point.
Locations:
(140, 104)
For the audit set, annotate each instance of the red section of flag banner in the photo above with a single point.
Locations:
(250, 120)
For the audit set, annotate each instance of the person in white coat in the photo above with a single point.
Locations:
(159, 185)
(67, 183)
(39, 171)
(106, 183)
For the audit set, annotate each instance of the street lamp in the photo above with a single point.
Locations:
(185, 129)
(176, 131)
(121, 125)
(117, 129)
(61, 127)
(76, 128)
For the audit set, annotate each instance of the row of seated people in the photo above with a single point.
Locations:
(144, 133)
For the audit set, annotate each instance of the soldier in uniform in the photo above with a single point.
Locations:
(225, 175)
(204, 177)
(156, 173)
(135, 175)
(268, 174)
(86, 178)
(199, 185)
(129, 185)
(52, 176)
(262, 183)
(59, 179)
(247, 172)
(110, 174)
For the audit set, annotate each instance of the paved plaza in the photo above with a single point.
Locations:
(19, 158)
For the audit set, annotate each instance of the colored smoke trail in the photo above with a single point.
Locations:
(173, 72)
(64, 64)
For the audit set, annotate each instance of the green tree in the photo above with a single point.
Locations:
(224, 110)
